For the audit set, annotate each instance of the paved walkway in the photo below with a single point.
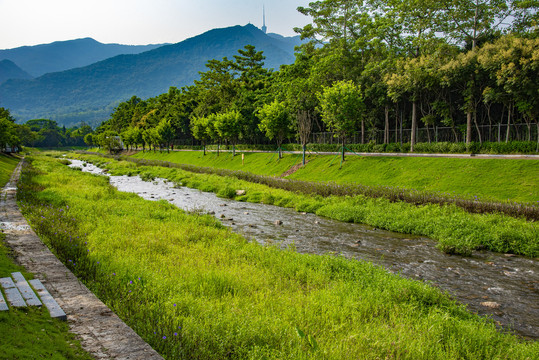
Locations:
(349, 153)
(101, 332)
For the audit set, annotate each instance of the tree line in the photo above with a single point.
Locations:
(39, 133)
(365, 66)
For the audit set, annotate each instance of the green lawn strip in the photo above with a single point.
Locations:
(7, 165)
(456, 230)
(488, 179)
(194, 289)
(256, 163)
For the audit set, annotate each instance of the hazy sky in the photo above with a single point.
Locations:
(138, 22)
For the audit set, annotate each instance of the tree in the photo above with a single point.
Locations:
(514, 65)
(468, 22)
(275, 122)
(229, 125)
(341, 106)
(165, 133)
(294, 84)
(199, 129)
(89, 139)
(8, 134)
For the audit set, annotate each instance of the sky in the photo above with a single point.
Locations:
(137, 22)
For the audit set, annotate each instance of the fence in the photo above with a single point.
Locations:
(492, 133)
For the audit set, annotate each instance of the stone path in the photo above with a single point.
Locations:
(101, 332)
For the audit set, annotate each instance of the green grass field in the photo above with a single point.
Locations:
(488, 179)
(455, 229)
(195, 290)
(30, 333)
(7, 165)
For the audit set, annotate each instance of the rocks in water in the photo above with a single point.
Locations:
(211, 213)
(240, 192)
(223, 205)
(490, 304)
(246, 213)
(317, 222)
(222, 216)
(278, 222)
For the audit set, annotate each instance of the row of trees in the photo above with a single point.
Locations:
(366, 66)
(38, 133)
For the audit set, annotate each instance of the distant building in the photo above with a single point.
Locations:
(264, 27)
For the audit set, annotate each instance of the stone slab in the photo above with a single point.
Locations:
(26, 291)
(14, 297)
(7, 283)
(54, 309)
(3, 304)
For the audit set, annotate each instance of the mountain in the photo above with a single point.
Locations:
(9, 70)
(287, 42)
(90, 93)
(63, 55)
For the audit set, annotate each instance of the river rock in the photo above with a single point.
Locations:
(223, 216)
(240, 192)
(490, 304)
(278, 222)
(246, 213)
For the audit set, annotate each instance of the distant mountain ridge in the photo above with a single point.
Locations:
(64, 55)
(10, 70)
(90, 93)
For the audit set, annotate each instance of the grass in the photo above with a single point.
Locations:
(7, 165)
(487, 179)
(195, 290)
(30, 333)
(456, 230)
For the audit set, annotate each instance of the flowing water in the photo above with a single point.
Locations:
(504, 287)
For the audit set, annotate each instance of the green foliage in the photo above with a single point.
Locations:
(193, 289)
(341, 106)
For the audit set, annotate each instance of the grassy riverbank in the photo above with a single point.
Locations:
(456, 230)
(194, 289)
(30, 333)
(487, 179)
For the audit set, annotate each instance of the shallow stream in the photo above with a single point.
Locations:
(505, 287)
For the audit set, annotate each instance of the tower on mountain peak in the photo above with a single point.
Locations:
(264, 27)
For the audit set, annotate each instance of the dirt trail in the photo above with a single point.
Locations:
(102, 334)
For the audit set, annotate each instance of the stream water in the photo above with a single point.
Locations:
(504, 287)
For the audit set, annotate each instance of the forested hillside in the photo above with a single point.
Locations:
(90, 93)
(10, 70)
(64, 55)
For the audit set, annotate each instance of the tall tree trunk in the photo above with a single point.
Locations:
(362, 132)
(468, 127)
(414, 125)
(477, 127)
(386, 128)
(509, 111)
(396, 124)
(304, 149)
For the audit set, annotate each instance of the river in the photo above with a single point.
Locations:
(503, 287)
